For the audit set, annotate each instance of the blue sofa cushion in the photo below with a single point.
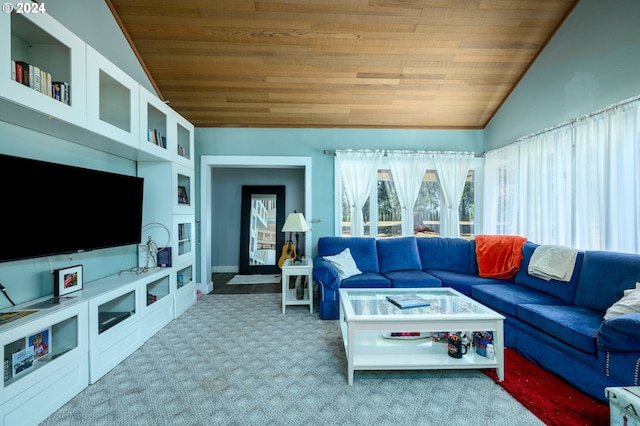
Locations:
(561, 289)
(604, 277)
(446, 254)
(506, 298)
(398, 254)
(620, 334)
(366, 280)
(473, 258)
(412, 279)
(462, 281)
(574, 325)
(363, 250)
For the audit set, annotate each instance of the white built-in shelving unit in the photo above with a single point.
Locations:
(108, 319)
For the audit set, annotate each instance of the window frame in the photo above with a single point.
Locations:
(477, 166)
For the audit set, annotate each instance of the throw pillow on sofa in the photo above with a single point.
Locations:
(628, 304)
(344, 264)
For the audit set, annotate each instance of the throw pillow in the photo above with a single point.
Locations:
(344, 264)
(628, 304)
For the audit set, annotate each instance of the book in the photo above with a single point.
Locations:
(163, 257)
(32, 80)
(12, 316)
(36, 78)
(56, 91)
(24, 72)
(64, 90)
(18, 72)
(404, 335)
(49, 88)
(404, 301)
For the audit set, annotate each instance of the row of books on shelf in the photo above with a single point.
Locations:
(39, 80)
(183, 232)
(155, 137)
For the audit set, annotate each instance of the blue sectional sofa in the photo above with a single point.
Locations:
(558, 325)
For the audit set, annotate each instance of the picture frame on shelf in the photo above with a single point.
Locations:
(22, 361)
(41, 343)
(183, 197)
(163, 257)
(67, 280)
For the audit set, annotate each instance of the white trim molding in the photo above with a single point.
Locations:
(207, 164)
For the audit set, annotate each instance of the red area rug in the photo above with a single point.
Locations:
(550, 398)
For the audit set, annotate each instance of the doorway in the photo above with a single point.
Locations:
(207, 165)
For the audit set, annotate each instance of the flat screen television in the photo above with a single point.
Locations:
(54, 208)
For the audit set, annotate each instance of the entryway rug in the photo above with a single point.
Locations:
(550, 398)
(255, 279)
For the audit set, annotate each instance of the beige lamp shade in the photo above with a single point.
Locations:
(295, 223)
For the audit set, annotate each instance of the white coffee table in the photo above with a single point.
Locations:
(365, 315)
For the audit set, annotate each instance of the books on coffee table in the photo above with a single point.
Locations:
(404, 301)
(406, 335)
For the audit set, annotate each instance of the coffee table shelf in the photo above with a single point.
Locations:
(365, 315)
(375, 352)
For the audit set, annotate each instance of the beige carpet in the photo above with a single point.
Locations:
(237, 360)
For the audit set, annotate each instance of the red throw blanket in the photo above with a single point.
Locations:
(499, 256)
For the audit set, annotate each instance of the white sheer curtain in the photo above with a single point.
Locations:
(576, 185)
(408, 169)
(608, 190)
(529, 187)
(358, 171)
(452, 168)
(500, 196)
(545, 184)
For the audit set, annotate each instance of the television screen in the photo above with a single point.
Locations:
(54, 208)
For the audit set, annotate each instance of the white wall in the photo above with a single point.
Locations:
(93, 22)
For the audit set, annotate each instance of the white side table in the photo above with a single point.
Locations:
(299, 269)
(624, 405)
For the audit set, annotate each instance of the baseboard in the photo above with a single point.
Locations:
(205, 288)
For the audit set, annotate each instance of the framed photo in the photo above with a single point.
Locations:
(183, 198)
(41, 343)
(22, 361)
(67, 280)
(163, 257)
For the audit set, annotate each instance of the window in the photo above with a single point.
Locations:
(383, 220)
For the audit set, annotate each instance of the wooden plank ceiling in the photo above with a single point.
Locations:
(338, 63)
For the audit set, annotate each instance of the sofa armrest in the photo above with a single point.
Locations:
(325, 274)
(620, 334)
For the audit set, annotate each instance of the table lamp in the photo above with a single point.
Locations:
(296, 223)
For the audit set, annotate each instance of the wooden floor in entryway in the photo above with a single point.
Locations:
(220, 286)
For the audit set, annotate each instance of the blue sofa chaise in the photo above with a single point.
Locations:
(556, 324)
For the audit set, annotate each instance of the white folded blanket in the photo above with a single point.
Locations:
(553, 263)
